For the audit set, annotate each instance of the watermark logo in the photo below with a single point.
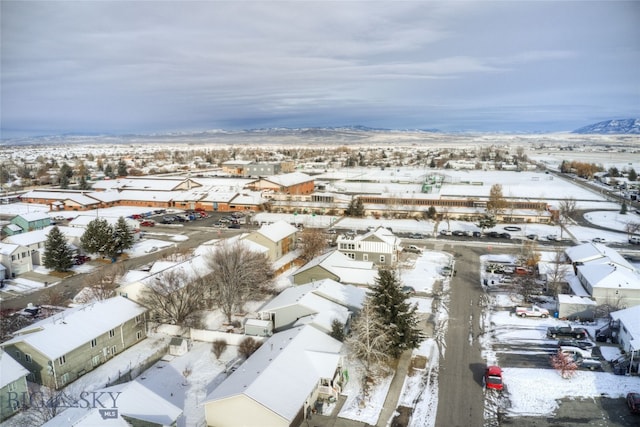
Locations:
(104, 401)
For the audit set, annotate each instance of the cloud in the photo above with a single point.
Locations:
(143, 66)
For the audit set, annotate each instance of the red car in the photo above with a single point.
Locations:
(633, 401)
(493, 378)
(147, 223)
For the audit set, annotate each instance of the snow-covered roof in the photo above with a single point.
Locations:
(249, 198)
(289, 179)
(295, 360)
(39, 236)
(277, 231)
(575, 299)
(34, 216)
(8, 248)
(237, 162)
(596, 252)
(10, 370)
(629, 317)
(348, 270)
(74, 196)
(57, 335)
(144, 183)
(13, 227)
(132, 400)
(610, 276)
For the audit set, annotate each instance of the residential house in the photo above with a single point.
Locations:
(13, 386)
(16, 259)
(304, 363)
(339, 267)
(32, 221)
(628, 330)
(279, 238)
(318, 303)
(380, 246)
(11, 229)
(35, 241)
(133, 404)
(61, 348)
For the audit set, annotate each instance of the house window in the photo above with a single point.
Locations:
(138, 319)
(139, 335)
(365, 257)
(18, 355)
(62, 360)
(114, 349)
(24, 254)
(382, 258)
(65, 378)
(13, 257)
(351, 255)
(95, 360)
(27, 358)
(94, 342)
(11, 387)
(112, 333)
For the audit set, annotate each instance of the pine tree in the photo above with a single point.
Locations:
(58, 255)
(122, 168)
(400, 317)
(623, 209)
(83, 184)
(122, 236)
(98, 237)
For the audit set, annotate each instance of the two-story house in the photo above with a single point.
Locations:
(279, 238)
(59, 349)
(32, 220)
(16, 259)
(379, 246)
(13, 386)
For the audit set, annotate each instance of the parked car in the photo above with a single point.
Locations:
(416, 236)
(589, 363)
(151, 249)
(634, 240)
(147, 223)
(408, 290)
(633, 402)
(522, 271)
(232, 225)
(445, 232)
(505, 235)
(566, 331)
(413, 249)
(598, 240)
(476, 234)
(553, 237)
(81, 259)
(585, 345)
(533, 311)
(532, 236)
(492, 378)
(577, 352)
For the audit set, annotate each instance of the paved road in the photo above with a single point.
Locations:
(69, 287)
(460, 396)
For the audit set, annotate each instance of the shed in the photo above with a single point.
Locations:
(178, 346)
(573, 307)
(257, 327)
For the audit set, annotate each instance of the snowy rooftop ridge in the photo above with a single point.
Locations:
(55, 336)
(10, 370)
(304, 353)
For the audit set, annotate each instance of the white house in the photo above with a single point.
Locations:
(16, 259)
(280, 383)
(318, 303)
(380, 246)
(629, 330)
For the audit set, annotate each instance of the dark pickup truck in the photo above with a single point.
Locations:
(567, 331)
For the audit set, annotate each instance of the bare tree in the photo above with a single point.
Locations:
(248, 346)
(632, 228)
(369, 341)
(45, 403)
(564, 364)
(101, 284)
(237, 274)
(171, 300)
(560, 270)
(53, 296)
(313, 243)
(527, 286)
(497, 203)
(566, 209)
(218, 347)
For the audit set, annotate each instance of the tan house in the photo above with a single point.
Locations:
(339, 267)
(290, 375)
(380, 246)
(59, 349)
(279, 238)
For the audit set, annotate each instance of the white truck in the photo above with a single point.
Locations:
(533, 311)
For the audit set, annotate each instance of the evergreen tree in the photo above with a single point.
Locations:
(623, 209)
(122, 168)
(122, 236)
(83, 184)
(108, 171)
(64, 182)
(632, 175)
(391, 304)
(98, 237)
(486, 221)
(58, 255)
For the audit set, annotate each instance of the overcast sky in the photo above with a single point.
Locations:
(127, 66)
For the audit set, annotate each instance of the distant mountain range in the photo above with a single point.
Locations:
(624, 126)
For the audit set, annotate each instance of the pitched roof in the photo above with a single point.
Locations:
(277, 231)
(629, 317)
(294, 360)
(132, 400)
(289, 179)
(346, 269)
(610, 276)
(596, 252)
(57, 335)
(10, 370)
(34, 216)
(8, 248)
